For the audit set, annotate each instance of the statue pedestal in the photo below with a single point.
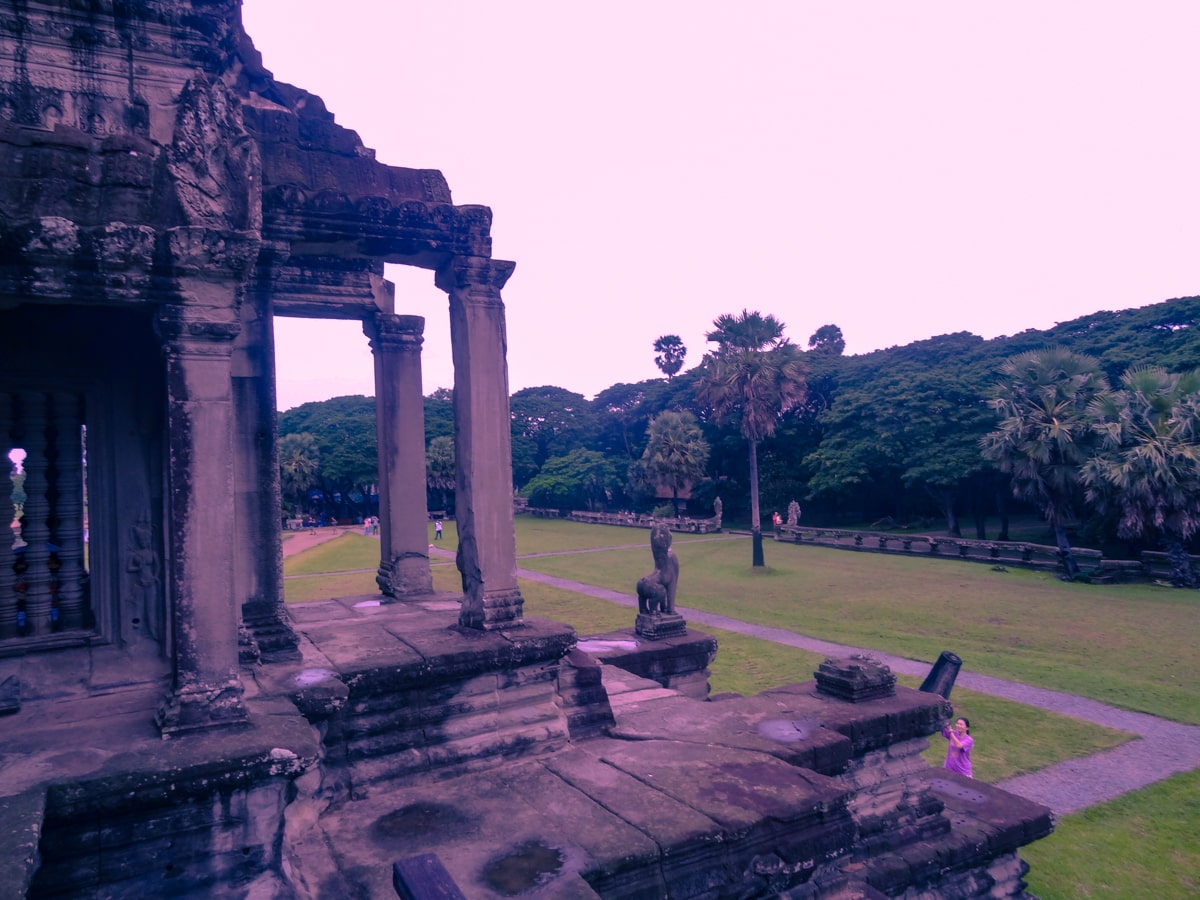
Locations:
(679, 663)
(660, 625)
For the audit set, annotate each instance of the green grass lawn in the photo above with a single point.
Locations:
(1126, 645)
(1141, 845)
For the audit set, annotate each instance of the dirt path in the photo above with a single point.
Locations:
(299, 541)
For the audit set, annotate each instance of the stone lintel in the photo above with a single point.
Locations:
(322, 287)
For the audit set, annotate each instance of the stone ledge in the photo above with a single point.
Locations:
(678, 662)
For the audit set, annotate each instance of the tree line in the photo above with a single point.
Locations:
(897, 437)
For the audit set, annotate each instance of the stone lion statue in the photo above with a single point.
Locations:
(656, 590)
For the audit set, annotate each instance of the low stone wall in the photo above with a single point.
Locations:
(1150, 566)
(628, 520)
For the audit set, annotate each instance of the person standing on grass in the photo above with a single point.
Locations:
(958, 748)
(437, 530)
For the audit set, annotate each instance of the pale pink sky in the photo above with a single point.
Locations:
(899, 169)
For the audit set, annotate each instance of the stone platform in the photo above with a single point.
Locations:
(529, 768)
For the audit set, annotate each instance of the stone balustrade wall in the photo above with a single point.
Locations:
(1149, 566)
(626, 519)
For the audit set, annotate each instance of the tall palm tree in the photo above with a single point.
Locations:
(299, 464)
(676, 453)
(1044, 434)
(1147, 469)
(670, 353)
(439, 467)
(752, 378)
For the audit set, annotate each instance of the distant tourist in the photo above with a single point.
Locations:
(437, 530)
(958, 750)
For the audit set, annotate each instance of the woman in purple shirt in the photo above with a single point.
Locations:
(958, 750)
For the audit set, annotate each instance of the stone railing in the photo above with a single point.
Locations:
(627, 520)
(1151, 566)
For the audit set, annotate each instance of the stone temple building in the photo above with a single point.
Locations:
(169, 728)
(162, 198)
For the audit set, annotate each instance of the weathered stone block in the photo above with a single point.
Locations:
(856, 679)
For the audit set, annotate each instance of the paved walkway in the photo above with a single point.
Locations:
(1163, 748)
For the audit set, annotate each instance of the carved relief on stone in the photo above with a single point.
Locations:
(53, 236)
(175, 324)
(213, 162)
(142, 607)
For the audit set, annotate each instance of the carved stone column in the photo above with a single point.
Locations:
(68, 508)
(400, 432)
(257, 550)
(200, 481)
(487, 552)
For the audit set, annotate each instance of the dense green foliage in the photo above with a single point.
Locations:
(440, 471)
(583, 479)
(889, 437)
(343, 431)
(676, 453)
(299, 466)
(1146, 470)
(1045, 433)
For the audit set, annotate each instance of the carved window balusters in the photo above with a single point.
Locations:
(8, 607)
(42, 566)
(68, 509)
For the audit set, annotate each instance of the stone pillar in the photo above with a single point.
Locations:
(487, 551)
(400, 433)
(257, 550)
(200, 483)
